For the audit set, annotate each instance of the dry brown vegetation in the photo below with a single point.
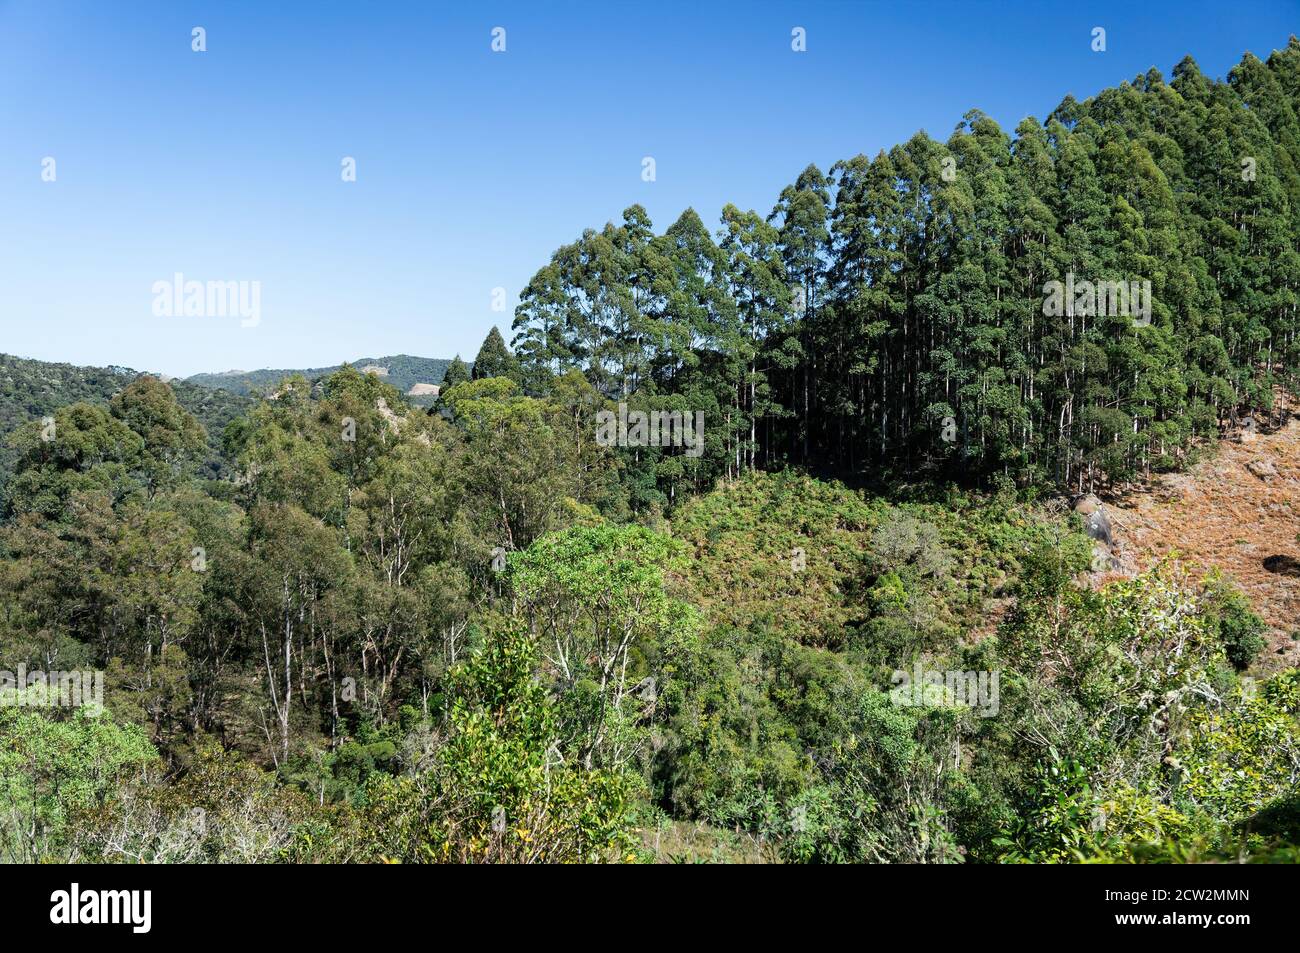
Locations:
(1237, 511)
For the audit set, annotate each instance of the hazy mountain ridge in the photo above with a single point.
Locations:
(404, 371)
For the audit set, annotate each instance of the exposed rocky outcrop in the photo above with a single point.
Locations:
(1095, 521)
(1263, 468)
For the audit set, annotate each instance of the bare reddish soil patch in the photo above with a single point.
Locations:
(1239, 512)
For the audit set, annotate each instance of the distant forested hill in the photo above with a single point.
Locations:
(404, 370)
(30, 389)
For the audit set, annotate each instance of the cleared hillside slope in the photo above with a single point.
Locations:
(1238, 511)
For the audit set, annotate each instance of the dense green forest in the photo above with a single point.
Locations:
(31, 389)
(891, 297)
(478, 632)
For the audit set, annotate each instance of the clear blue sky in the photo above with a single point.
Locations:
(472, 166)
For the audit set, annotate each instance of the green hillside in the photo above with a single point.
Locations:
(31, 389)
(404, 370)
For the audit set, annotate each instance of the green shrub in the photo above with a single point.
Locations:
(1228, 614)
